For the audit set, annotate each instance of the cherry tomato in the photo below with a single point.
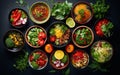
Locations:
(41, 42)
(41, 62)
(42, 35)
(52, 38)
(48, 48)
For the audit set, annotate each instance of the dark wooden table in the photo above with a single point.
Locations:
(7, 58)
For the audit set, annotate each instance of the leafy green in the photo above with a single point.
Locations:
(34, 65)
(81, 12)
(65, 7)
(23, 15)
(9, 43)
(36, 56)
(21, 2)
(52, 32)
(53, 58)
(65, 58)
(33, 35)
(95, 66)
(83, 36)
(22, 62)
(52, 71)
(100, 8)
(107, 29)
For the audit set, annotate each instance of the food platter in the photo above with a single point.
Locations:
(54, 37)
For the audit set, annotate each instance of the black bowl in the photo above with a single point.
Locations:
(97, 22)
(20, 25)
(16, 48)
(52, 26)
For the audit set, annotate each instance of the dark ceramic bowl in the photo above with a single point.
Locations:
(17, 38)
(18, 18)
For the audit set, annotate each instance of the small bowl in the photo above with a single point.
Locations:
(18, 18)
(29, 35)
(98, 26)
(84, 43)
(40, 62)
(77, 12)
(52, 28)
(80, 59)
(102, 54)
(39, 17)
(58, 63)
(14, 40)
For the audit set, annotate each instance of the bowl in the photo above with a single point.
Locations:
(36, 36)
(61, 10)
(59, 34)
(79, 59)
(39, 12)
(14, 40)
(82, 36)
(82, 12)
(101, 51)
(59, 59)
(18, 18)
(104, 27)
(38, 59)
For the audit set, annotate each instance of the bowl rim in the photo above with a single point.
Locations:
(22, 25)
(58, 22)
(102, 41)
(36, 50)
(88, 58)
(67, 63)
(32, 18)
(91, 34)
(91, 9)
(26, 33)
(6, 34)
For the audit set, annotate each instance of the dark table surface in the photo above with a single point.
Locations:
(7, 58)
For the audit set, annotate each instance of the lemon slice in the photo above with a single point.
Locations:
(70, 22)
(59, 54)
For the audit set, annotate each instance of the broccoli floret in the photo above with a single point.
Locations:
(9, 43)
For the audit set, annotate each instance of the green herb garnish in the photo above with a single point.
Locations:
(107, 29)
(22, 62)
(81, 12)
(100, 8)
(61, 10)
(95, 66)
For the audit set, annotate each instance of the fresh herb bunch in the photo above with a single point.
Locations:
(107, 29)
(95, 66)
(100, 8)
(61, 10)
(22, 62)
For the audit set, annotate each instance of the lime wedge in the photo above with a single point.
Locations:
(70, 22)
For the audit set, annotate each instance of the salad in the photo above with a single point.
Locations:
(101, 51)
(82, 36)
(38, 60)
(61, 10)
(80, 59)
(59, 34)
(36, 36)
(59, 59)
(104, 28)
(18, 17)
